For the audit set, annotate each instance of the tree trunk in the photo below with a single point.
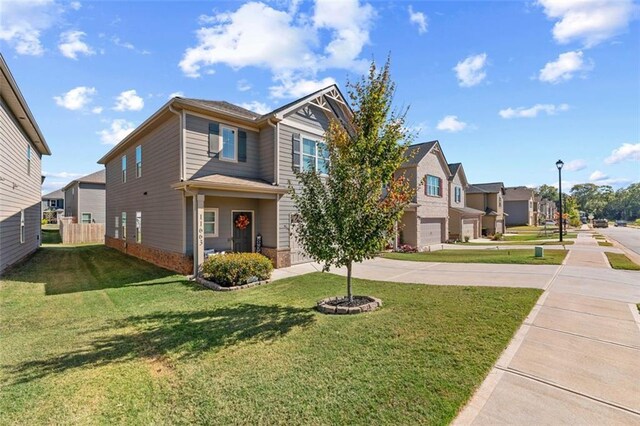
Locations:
(349, 295)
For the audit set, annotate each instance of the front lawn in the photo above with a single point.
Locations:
(533, 237)
(523, 243)
(621, 261)
(92, 336)
(520, 256)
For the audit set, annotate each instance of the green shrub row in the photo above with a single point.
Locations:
(233, 269)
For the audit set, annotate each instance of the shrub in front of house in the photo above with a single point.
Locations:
(233, 269)
(497, 236)
(406, 248)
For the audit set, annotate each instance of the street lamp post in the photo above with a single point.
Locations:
(559, 165)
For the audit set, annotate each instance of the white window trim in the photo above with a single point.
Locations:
(318, 140)
(138, 236)
(221, 143)
(90, 217)
(23, 230)
(138, 163)
(216, 224)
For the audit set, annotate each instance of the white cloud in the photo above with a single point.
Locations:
(257, 107)
(23, 22)
(129, 101)
(419, 19)
(563, 68)
(243, 85)
(75, 5)
(294, 87)
(125, 44)
(97, 110)
(588, 21)
(178, 93)
(575, 165)
(597, 175)
(470, 71)
(522, 112)
(77, 98)
(627, 151)
(71, 45)
(61, 175)
(450, 123)
(292, 45)
(118, 130)
(600, 178)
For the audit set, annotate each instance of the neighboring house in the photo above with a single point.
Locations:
(546, 210)
(519, 206)
(53, 205)
(426, 219)
(200, 176)
(21, 149)
(84, 198)
(488, 197)
(464, 221)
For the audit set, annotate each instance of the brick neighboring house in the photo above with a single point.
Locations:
(519, 206)
(21, 149)
(464, 221)
(488, 197)
(426, 219)
(200, 176)
(84, 198)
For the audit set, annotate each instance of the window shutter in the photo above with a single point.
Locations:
(214, 140)
(296, 151)
(242, 146)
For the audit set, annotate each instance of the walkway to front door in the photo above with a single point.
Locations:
(242, 231)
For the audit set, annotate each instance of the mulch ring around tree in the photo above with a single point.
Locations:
(342, 306)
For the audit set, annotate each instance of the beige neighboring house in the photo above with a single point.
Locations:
(464, 221)
(488, 197)
(426, 219)
(201, 176)
(519, 205)
(84, 198)
(21, 149)
(546, 210)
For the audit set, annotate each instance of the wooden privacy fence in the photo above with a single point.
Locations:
(78, 233)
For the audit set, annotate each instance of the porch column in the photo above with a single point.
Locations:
(198, 233)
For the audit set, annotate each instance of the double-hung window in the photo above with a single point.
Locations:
(315, 156)
(86, 217)
(457, 194)
(138, 227)
(139, 161)
(228, 143)
(116, 228)
(29, 160)
(124, 225)
(124, 168)
(210, 222)
(434, 186)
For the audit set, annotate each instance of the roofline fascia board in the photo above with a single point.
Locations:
(190, 186)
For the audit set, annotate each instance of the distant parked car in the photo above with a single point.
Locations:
(601, 223)
(621, 223)
(549, 223)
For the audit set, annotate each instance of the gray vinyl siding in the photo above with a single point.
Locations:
(198, 162)
(71, 201)
(518, 212)
(309, 117)
(18, 191)
(92, 200)
(268, 222)
(161, 206)
(266, 149)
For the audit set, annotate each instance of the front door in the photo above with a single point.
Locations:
(242, 231)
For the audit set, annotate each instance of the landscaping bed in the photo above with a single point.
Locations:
(90, 335)
(513, 256)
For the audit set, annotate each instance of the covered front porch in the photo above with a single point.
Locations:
(230, 214)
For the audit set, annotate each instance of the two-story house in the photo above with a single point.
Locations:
(21, 149)
(200, 176)
(84, 198)
(519, 206)
(488, 197)
(52, 204)
(464, 221)
(426, 219)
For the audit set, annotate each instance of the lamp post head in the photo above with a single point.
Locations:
(559, 164)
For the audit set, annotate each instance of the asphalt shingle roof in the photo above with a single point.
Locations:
(415, 153)
(55, 195)
(518, 193)
(485, 188)
(225, 106)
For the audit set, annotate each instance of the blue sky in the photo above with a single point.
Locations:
(507, 87)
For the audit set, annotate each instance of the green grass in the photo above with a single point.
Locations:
(522, 243)
(605, 243)
(50, 236)
(92, 336)
(526, 228)
(621, 261)
(516, 256)
(535, 237)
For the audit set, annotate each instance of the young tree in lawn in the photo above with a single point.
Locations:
(348, 215)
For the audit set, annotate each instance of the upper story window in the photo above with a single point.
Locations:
(314, 155)
(499, 201)
(139, 161)
(228, 143)
(457, 194)
(434, 186)
(29, 160)
(124, 168)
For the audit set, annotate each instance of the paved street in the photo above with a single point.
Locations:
(628, 237)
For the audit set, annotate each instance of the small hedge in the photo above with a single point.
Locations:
(233, 269)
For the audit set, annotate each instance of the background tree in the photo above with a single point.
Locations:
(349, 215)
(549, 192)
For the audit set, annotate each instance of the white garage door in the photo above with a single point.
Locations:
(297, 254)
(430, 231)
(468, 226)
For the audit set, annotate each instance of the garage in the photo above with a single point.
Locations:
(469, 228)
(431, 231)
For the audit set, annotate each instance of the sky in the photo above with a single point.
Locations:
(507, 87)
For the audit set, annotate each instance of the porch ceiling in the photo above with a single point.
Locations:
(230, 183)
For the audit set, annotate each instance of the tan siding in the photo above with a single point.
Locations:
(432, 207)
(18, 190)
(198, 162)
(161, 207)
